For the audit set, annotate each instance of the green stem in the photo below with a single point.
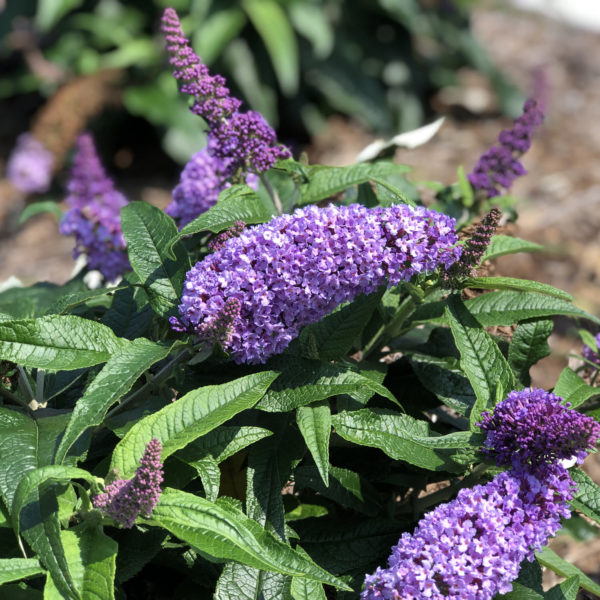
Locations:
(157, 379)
(272, 193)
(13, 397)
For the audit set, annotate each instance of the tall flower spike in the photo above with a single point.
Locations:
(498, 168)
(125, 499)
(94, 217)
(297, 268)
(472, 547)
(532, 427)
(29, 166)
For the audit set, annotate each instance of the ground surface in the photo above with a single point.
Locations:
(561, 194)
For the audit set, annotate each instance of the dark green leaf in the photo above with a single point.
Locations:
(567, 590)
(159, 261)
(57, 342)
(246, 583)
(587, 497)
(305, 589)
(528, 345)
(522, 285)
(315, 425)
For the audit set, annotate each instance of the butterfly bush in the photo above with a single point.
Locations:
(472, 547)
(532, 426)
(499, 167)
(94, 217)
(591, 354)
(296, 269)
(29, 166)
(125, 499)
(240, 145)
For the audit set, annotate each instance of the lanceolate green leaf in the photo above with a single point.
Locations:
(160, 263)
(114, 380)
(69, 301)
(315, 424)
(306, 589)
(225, 532)
(91, 556)
(57, 342)
(505, 244)
(510, 283)
(13, 569)
(549, 558)
(247, 583)
(571, 388)
(26, 444)
(192, 416)
(480, 358)
(325, 182)
(236, 203)
(587, 498)
(403, 438)
(528, 345)
(567, 590)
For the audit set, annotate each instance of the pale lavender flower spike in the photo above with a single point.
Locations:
(29, 166)
(94, 217)
(297, 268)
(125, 499)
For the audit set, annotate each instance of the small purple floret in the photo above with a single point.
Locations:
(499, 167)
(592, 354)
(533, 427)
(125, 499)
(29, 166)
(472, 547)
(297, 268)
(94, 217)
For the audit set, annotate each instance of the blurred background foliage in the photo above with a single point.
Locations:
(296, 61)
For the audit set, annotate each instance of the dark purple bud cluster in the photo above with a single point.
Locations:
(94, 217)
(29, 166)
(297, 268)
(498, 168)
(125, 499)
(531, 427)
(472, 547)
(219, 241)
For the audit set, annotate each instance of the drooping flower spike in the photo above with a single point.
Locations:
(125, 499)
(29, 166)
(94, 217)
(532, 427)
(297, 268)
(472, 547)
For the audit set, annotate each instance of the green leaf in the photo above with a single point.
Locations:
(38, 208)
(509, 307)
(91, 556)
(345, 487)
(306, 589)
(315, 425)
(587, 497)
(501, 245)
(466, 189)
(480, 358)
(333, 336)
(274, 28)
(528, 345)
(528, 585)
(192, 416)
(548, 558)
(13, 569)
(304, 381)
(224, 532)
(571, 388)
(114, 380)
(160, 262)
(246, 583)
(57, 342)
(236, 203)
(567, 590)
(50, 12)
(26, 444)
(69, 301)
(325, 182)
(510, 283)
(34, 478)
(312, 22)
(403, 438)
(210, 475)
(216, 31)
(588, 339)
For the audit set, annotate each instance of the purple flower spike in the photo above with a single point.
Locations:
(30, 164)
(125, 499)
(591, 354)
(533, 427)
(95, 215)
(219, 241)
(296, 269)
(498, 168)
(471, 548)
